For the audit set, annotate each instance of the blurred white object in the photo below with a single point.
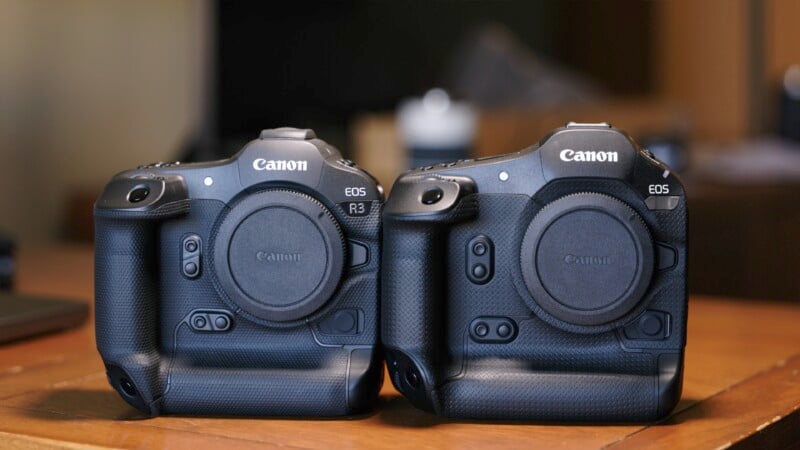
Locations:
(435, 128)
(764, 160)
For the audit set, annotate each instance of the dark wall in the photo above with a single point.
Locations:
(318, 63)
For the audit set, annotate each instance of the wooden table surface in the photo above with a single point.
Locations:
(742, 389)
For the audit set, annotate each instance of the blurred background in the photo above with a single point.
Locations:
(92, 87)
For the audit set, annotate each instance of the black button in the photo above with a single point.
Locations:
(503, 330)
(479, 271)
(199, 322)
(479, 248)
(432, 196)
(138, 194)
(344, 321)
(191, 246)
(650, 324)
(190, 268)
(492, 330)
(221, 322)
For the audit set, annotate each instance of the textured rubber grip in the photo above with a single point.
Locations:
(126, 294)
(259, 392)
(591, 397)
(412, 292)
(412, 299)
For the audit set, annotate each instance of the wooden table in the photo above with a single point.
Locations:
(742, 389)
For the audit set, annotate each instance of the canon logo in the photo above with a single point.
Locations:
(569, 154)
(589, 260)
(280, 165)
(277, 257)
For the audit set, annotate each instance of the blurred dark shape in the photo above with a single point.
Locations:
(671, 149)
(436, 129)
(6, 262)
(493, 68)
(320, 64)
(790, 104)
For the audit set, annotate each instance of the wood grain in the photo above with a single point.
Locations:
(53, 392)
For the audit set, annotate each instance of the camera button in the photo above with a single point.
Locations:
(503, 330)
(347, 321)
(199, 322)
(138, 194)
(190, 269)
(210, 320)
(650, 325)
(432, 196)
(492, 330)
(190, 256)
(481, 329)
(480, 259)
(221, 323)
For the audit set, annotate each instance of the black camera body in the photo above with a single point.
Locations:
(546, 284)
(247, 286)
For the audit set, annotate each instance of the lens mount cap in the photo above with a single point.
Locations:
(279, 255)
(587, 259)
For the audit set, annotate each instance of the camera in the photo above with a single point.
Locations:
(546, 284)
(247, 286)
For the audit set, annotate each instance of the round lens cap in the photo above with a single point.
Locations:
(587, 259)
(279, 255)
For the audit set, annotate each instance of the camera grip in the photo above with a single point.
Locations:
(516, 394)
(126, 282)
(126, 295)
(414, 279)
(335, 388)
(412, 292)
